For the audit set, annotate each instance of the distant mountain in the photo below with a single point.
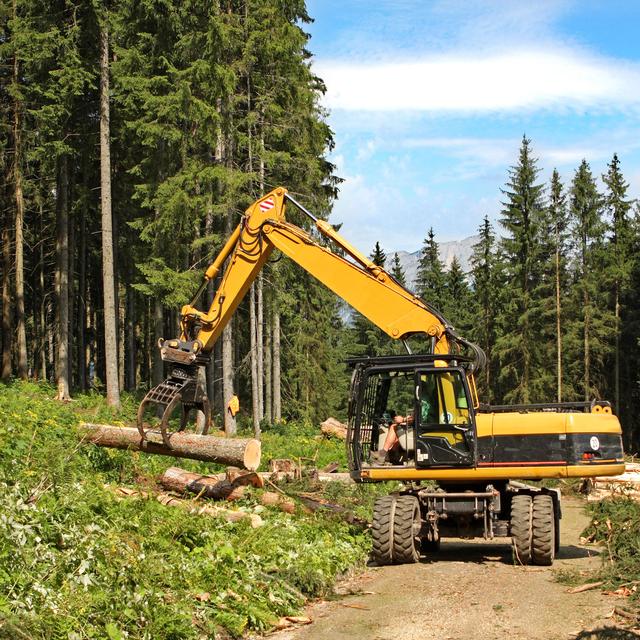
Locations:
(461, 249)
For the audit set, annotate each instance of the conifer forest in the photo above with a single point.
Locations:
(134, 135)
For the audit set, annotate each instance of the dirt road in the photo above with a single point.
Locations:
(469, 590)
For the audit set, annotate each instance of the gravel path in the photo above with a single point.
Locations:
(470, 589)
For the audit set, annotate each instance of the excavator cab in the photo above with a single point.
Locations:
(433, 398)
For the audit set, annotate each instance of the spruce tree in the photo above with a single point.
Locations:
(552, 287)
(517, 347)
(397, 271)
(485, 270)
(618, 207)
(430, 279)
(592, 321)
(457, 299)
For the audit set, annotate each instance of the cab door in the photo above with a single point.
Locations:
(444, 417)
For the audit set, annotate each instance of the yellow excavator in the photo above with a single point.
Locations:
(475, 455)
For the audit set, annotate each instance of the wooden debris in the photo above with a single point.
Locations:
(218, 487)
(273, 499)
(171, 501)
(332, 467)
(333, 427)
(585, 587)
(232, 451)
(289, 621)
(282, 465)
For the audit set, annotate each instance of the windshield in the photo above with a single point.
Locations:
(443, 399)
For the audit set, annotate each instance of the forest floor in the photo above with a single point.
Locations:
(471, 589)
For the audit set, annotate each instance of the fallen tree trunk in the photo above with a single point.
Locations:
(218, 487)
(236, 452)
(333, 427)
(170, 501)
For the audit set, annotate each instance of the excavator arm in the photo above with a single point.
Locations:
(366, 286)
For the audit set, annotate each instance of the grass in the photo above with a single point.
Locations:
(78, 562)
(615, 524)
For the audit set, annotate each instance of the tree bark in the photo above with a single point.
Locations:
(7, 336)
(237, 452)
(558, 324)
(230, 427)
(82, 295)
(62, 281)
(255, 400)
(158, 331)
(218, 487)
(260, 347)
(130, 339)
(277, 400)
(268, 388)
(19, 223)
(108, 274)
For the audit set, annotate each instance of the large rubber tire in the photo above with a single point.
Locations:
(406, 530)
(382, 529)
(521, 527)
(543, 531)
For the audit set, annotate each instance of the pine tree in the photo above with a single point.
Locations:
(457, 307)
(430, 279)
(618, 207)
(592, 321)
(397, 271)
(485, 269)
(552, 287)
(518, 346)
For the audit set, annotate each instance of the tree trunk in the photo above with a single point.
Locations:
(268, 388)
(131, 339)
(122, 316)
(219, 487)
(7, 334)
(158, 331)
(108, 274)
(277, 401)
(260, 346)
(19, 228)
(587, 346)
(558, 325)
(616, 373)
(82, 295)
(255, 399)
(230, 427)
(62, 282)
(237, 452)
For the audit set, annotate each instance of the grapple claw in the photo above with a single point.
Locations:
(181, 388)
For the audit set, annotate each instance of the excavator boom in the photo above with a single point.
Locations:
(367, 287)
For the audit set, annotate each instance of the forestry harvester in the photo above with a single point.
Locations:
(474, 455)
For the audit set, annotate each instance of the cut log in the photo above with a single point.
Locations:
(333, 427)
(273, 499)
(237, 452)
(171, 501)
(216, 487)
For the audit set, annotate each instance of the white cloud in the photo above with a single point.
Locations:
(509, 81)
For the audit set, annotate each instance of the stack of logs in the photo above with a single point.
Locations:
(624, 485)
(229, 486)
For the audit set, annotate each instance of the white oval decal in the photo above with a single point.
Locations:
(595, 443)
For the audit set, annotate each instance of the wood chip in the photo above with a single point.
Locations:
(585, 587)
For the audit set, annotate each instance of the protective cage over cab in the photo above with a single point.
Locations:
(426, 399)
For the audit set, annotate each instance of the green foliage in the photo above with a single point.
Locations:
(614, 525)
(77, 561)
(430, 280)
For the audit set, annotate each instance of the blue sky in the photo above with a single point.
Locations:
(428, 102)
